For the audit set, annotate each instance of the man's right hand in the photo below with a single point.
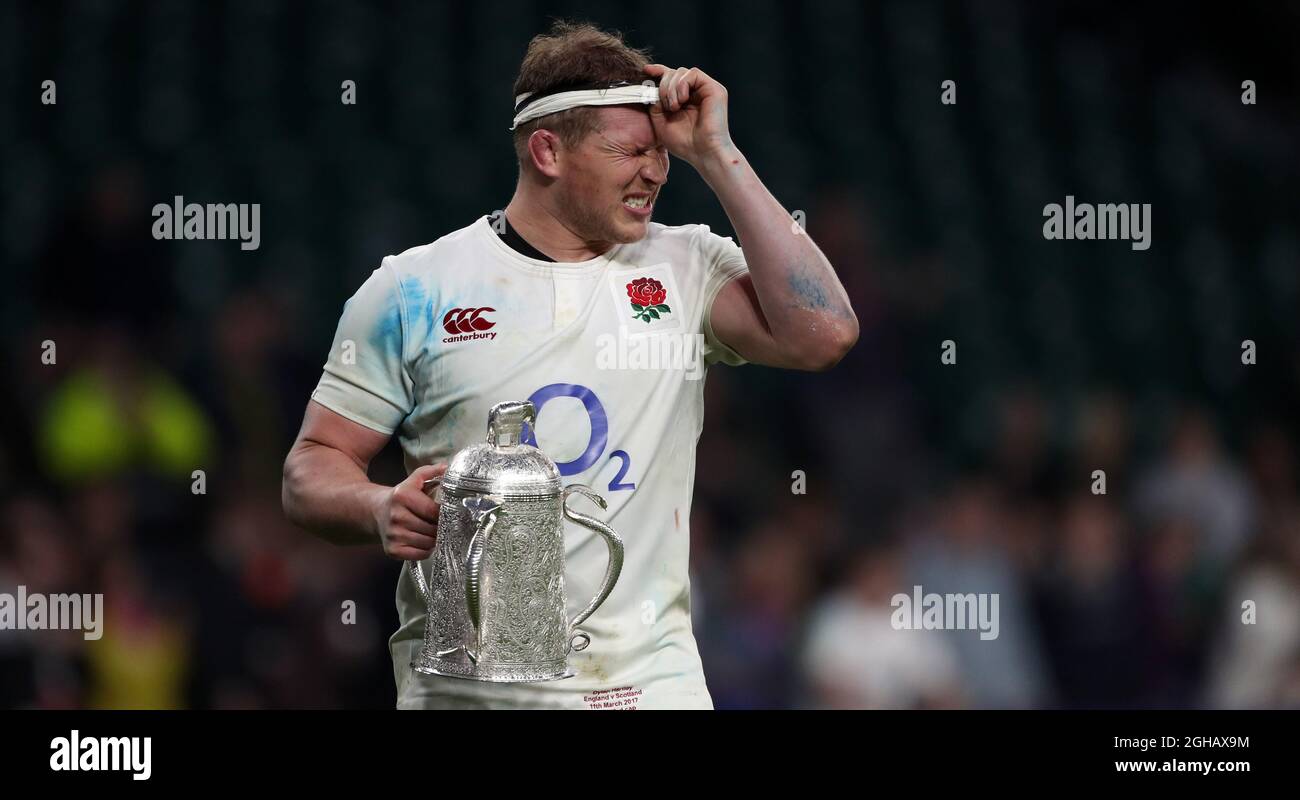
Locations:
(407, 518)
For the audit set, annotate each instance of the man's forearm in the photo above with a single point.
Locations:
(327, 493)
(802, 299)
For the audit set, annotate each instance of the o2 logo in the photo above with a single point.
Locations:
(599, 431)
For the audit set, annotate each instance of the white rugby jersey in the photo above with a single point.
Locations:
(441, 333)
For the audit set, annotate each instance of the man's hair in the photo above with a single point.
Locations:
(573, 54)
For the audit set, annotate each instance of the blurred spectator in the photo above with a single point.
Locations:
(142, 658)
(1102, 440)
(1194, 481)
(753, 654)
(965, 550)
(1271, 458)
(41, 669)
(855, 658)
(1021, 459)
(1180, 586)
(1258, 663)
(117, 412)
(1091, 614)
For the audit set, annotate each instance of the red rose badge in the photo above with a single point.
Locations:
(648, 296)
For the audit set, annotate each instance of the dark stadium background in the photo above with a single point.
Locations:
(973, 477)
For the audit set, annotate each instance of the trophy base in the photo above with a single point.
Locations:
(492, 673)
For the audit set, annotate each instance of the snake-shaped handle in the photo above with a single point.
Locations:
(612, 570)
(483, 510)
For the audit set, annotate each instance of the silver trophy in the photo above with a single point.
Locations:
(495, 591)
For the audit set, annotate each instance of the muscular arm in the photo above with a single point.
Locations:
(326, 489)
(790, 310)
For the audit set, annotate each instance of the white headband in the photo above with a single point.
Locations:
(563, 101)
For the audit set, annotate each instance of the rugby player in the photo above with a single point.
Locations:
(518, 305)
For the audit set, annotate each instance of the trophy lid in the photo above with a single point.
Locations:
(504, 465)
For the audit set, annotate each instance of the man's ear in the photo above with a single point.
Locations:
(544, 150)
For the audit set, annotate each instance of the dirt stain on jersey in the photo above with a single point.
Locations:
(595, 668)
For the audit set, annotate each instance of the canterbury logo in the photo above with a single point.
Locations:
(467, 320)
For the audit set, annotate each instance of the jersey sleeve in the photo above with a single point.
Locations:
(365, 378)
(723, 262)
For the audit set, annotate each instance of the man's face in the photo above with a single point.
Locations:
(612, 179)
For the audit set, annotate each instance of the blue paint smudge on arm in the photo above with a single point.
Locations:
(809, 290)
